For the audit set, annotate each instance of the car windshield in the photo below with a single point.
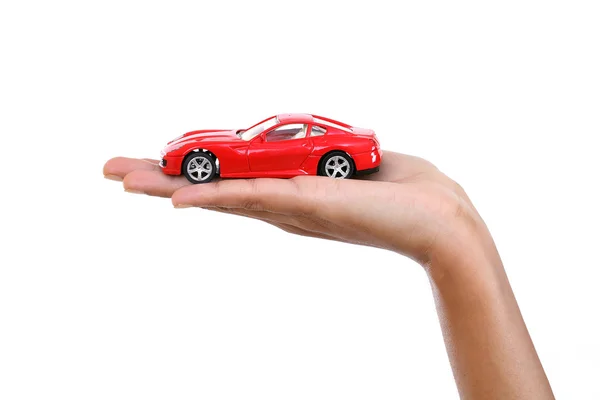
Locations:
(258, 129)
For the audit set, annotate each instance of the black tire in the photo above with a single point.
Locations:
(332, 166)
(199, 167)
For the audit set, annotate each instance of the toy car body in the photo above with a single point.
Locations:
(282, 146)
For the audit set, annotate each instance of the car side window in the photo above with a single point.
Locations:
(317, 130)
(287, 132)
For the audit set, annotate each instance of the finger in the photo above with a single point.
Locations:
(306, 223)
(300, 196)
(153, 183)
(309, 225)
(279, 195)
(347, 203)
(293, 227)
(288, 227)
(116, 168)
(299, 231)
(301, 222)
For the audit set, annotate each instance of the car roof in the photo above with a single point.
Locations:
(313, 119)
(300, 118)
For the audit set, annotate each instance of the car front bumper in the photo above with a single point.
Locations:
(171, 165)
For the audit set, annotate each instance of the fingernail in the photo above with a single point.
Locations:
(113, 177)
(182, 206)
(134, 191)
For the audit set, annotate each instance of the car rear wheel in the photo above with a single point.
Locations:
(199, 167)
(337, 165)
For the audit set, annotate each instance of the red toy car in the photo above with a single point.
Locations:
(282, 146)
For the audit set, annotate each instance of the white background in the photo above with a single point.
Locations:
(111, 295)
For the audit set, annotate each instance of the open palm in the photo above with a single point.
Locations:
(409, 206)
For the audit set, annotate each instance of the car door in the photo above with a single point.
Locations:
(283, 148)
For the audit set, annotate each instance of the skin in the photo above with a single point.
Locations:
(408, 207)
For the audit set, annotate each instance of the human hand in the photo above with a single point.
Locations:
(409, 206)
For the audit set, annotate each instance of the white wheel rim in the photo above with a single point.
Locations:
(199, 168)
(337, 167)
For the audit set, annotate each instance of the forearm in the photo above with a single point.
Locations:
(490, 350)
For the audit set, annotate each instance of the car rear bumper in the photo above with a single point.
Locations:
(367, 161)
(367, 171)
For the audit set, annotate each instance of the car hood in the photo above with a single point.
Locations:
(212, 135)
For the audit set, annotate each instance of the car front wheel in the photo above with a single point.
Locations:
(199, 167)
(337, 165)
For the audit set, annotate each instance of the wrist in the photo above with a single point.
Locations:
(467, 250)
